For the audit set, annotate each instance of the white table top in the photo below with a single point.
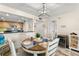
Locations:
(33, 51)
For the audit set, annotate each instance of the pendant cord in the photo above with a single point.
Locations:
(43, 8)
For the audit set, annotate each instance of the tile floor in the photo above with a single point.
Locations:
(60, 52)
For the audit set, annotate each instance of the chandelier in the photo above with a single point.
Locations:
(44, 12)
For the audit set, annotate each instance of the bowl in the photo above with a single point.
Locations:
(27, 44)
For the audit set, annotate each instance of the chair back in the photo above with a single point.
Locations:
(2, 39)
(12, 47)
(52, 47)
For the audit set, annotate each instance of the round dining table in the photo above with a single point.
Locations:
(35, 49)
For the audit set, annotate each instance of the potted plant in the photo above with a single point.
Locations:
(38, 36)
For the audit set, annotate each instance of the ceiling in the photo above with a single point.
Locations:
(53, 9)
(11, 17)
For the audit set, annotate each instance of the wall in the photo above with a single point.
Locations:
(68, 22)
(45, 26)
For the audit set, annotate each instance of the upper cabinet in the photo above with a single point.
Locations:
(74, 42)
(28, 25)
(6, 24)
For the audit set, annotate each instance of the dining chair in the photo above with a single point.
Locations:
(12, 47)
(52, 47)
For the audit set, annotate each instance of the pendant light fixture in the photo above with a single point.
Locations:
(44, 12)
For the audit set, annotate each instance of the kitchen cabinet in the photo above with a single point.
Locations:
(18, 37)
(7, 24)
(74, 42)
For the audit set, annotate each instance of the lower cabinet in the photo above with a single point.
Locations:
(17, 38)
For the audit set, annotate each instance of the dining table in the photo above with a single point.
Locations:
(34, 47)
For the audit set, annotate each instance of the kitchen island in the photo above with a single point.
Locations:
(18, 37)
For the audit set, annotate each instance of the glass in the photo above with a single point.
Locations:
(34, 42)
(45, 40)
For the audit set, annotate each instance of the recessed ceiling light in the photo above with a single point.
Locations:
(7, 14)
(2, 17)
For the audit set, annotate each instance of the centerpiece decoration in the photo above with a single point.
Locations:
(38, 37)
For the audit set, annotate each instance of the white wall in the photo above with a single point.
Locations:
(44, 26)
(70, 22)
